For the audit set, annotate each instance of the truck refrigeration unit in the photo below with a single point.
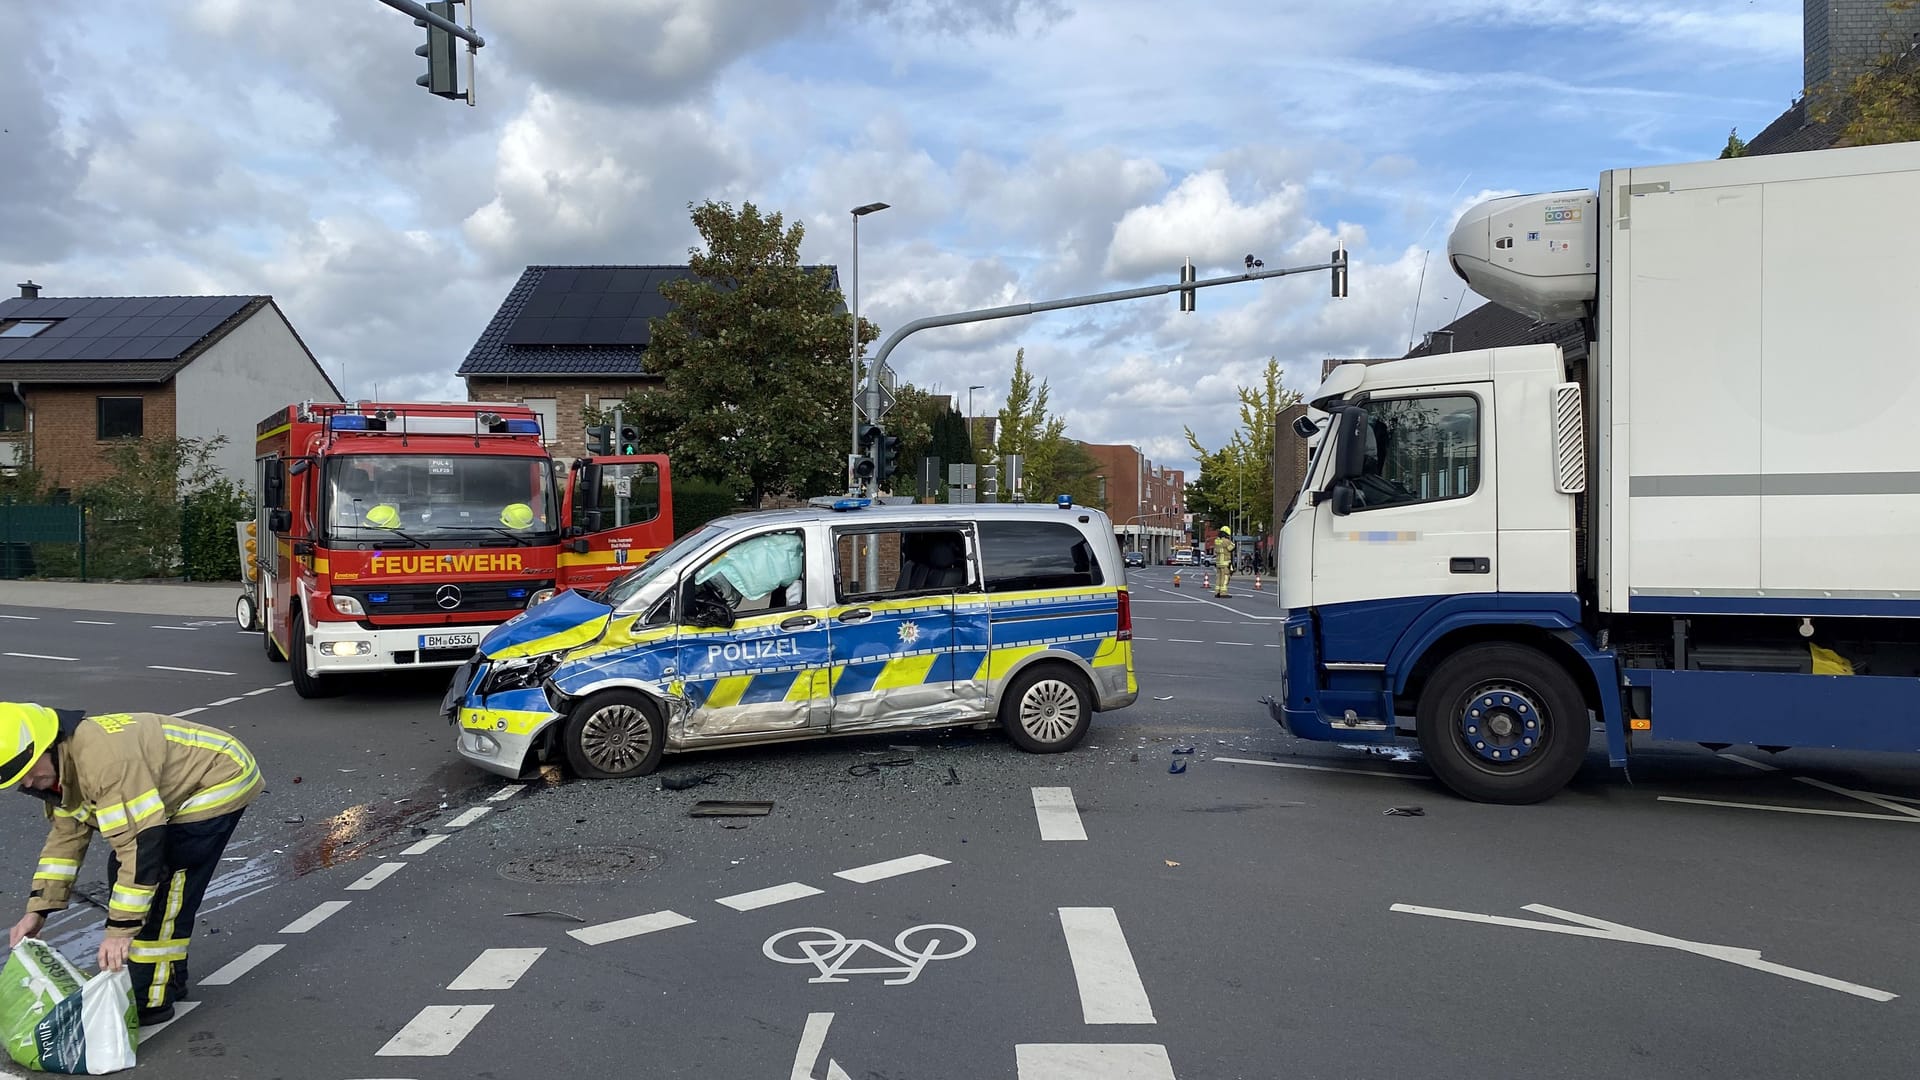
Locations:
(1702, 527)
(396, 535)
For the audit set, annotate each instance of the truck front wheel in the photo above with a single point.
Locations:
(1502, 724)
(305, 682)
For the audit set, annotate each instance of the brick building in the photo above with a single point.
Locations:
(568, 337)
(77, 372)
(1147, 502)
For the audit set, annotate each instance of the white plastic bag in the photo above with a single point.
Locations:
(108, 1019)
(58, 1024)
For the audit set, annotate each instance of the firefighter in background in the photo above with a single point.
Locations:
(167, 793)
(1222, 561)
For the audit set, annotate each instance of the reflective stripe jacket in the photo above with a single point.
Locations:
(1223, 554)
(127, 775)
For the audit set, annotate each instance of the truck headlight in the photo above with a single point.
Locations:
(347, 605)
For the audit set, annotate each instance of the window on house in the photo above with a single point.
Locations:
(13, 412)
(548, 410)
(122, 417)
(25, 327)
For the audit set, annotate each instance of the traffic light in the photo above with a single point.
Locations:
(863, 469)
(1188, 275)
(600, 439)
(443, 72)
(1340, 272)
(887, 459)
(990, 482)
(629, 439)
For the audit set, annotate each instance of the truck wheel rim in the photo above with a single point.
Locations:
(616, 738)
(1501, 724)
(1049, 710)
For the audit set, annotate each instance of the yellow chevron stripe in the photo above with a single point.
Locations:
(726, 691)
(906, 671)
(1001, 661)
(518, 721)
(557, 642)
(1113, 653)
(814, 685)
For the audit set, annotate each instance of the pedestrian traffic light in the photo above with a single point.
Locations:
(600, 439)
(443, 72)
(629, 439)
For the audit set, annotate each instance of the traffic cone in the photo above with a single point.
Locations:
(1256, 581)
(1207, 582)
(1176, 579)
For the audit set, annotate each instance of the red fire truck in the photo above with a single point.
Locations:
(395, 536)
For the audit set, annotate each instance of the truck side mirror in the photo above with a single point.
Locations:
(1305, 427)
(279, 521)
(1342, 497)
(273, 484)
(594, 520)
(587, 494)
(1350, 442)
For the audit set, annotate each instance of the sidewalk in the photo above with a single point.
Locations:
(207, 600)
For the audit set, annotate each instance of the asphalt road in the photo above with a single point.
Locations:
(935, 913)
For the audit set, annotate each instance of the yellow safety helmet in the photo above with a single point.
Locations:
(26, 732)
(1224, 531)
(517, 516)
(384, 516)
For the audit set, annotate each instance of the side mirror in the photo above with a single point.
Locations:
(273, 484)
(587, 495)
(1350, 445)
(595, 520)
(579, 546)
(1305, 426)
(279, 521)
(1342, 498)
(302, 548)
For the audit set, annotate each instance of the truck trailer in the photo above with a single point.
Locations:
(1705, 530)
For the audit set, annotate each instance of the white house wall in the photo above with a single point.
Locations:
(258, 367)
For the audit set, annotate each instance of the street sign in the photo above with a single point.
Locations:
(875, 401)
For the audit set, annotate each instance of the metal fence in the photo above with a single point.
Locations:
(29, 532)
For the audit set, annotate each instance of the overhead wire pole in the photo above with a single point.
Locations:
(1337, 264)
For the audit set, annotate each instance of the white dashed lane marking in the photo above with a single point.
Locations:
(222, 701)
(426, 845)
(496, 969)
(190, 629)
(315, 917)
(621, 929)
(861, 875)
(1092, 1061)
(188, 670)
(777, 894)
(92, 622)
(22, 618)
(262, 690)
(436, 1031)
(506, 793)
(1110, 987)
(37, 656)
(1058, 816)
(472, 814)
(190, 712)
(240, 965)
(377, 875)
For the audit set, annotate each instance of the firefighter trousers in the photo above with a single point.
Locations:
(158, 963)
(1222, 575)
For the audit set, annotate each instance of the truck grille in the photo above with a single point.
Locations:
(445, 598)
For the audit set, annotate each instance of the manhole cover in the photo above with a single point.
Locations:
(581, 865)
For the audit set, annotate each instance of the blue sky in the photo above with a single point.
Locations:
(1031, 149)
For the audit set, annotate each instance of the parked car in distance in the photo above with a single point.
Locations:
(1183, 557)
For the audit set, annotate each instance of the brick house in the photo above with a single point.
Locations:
(569, 337)
(1147, 502)
(77, 372)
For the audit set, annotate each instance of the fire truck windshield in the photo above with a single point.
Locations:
(464, 499)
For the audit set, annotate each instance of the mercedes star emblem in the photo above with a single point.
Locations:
(448, 597)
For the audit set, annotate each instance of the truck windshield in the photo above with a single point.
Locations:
(471, 499)
(662, 562)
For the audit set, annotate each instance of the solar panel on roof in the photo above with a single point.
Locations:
(580, 304)
(67, 349)
(169, 325)
(558, 280)
(565, 331)
(542, 305)
(177, 345)
(593, 281)
(628, 281)
(135, 326)
(615, 305)
(635, 332)
(602, 331)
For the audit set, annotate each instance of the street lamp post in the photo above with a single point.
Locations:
(853, 451)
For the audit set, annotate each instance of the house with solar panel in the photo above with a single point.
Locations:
(567, 337)
(77, 372)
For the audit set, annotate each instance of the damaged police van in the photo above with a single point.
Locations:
(779, 625)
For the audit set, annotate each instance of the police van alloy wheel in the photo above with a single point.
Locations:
(305, 683)
(1047, 709)
(244, 613)
(1503, 724)
(613, 735)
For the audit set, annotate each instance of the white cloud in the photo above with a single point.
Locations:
(1200, 219)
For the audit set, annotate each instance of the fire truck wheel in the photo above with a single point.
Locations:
(306, 684)
(273, 648)
(614, 734)
(244, 613)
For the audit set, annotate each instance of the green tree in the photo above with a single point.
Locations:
(1881, 105)
(166, 508)
(1051, 463)
(1736, 146)
(911, 420)
(1236, 481)
(753, 362)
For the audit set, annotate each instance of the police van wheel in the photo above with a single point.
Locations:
(613, 735)
(305, 683)
(1047, 709)
(1503, 723)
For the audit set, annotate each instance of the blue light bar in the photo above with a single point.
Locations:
(523, 427)
(517, 594)
(347, 423)
(852, 504)
(376, 598)
(1064, 502)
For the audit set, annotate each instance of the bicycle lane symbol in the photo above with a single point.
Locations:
(831, 953)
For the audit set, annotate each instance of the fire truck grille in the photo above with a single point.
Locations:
(445, 598)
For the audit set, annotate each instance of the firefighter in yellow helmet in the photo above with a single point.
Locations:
(166, 793)
(1222, 561)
